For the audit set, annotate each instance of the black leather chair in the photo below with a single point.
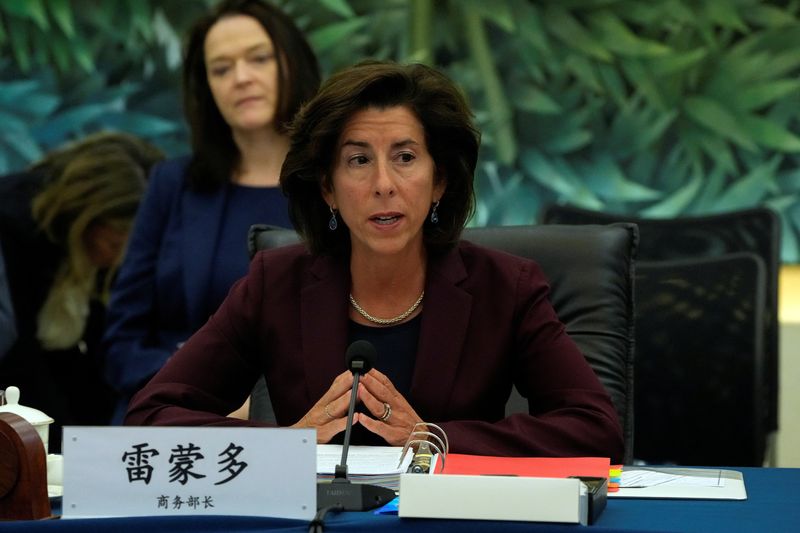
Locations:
(591, 272)
(755, 231)
(700, 362)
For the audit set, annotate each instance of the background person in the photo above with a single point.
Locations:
(380, 184)
(247, 69)
(63, 227)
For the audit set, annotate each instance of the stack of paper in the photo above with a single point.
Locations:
(681, 482)
(376, 465)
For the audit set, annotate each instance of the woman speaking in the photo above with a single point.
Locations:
(379, 180)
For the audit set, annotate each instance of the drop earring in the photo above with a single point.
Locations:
(434, 214)
(333, 223)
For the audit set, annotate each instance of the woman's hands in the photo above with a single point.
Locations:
(394, 417)
(329, 415)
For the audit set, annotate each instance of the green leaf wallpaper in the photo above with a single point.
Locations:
(657, 108)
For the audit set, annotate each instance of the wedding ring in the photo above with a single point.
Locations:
(387, 412)
(328, 412)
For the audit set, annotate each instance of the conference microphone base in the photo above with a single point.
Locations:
(352, 496)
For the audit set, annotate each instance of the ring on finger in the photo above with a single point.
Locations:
(327, 412)
(387, 412)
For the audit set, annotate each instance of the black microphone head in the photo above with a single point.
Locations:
(360, 356)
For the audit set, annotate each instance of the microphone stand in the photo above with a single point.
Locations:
(341, 492)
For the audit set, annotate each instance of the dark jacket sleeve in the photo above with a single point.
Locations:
(135, 345)
(213, 372)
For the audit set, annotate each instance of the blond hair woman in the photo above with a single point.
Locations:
(63, 226)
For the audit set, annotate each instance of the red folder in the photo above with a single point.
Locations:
(558, 467)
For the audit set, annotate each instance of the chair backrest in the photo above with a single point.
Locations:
(756, 231)
(591, 272)
(700, 362)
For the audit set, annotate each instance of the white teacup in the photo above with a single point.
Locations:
(55, 469)
(40, 421)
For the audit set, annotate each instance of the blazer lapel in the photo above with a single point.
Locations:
(444, 326)
(324, 323)
(201, 220)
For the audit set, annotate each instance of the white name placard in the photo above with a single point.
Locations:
(166, 471)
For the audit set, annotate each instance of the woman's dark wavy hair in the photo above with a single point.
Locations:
(214, 153)
(451, 138)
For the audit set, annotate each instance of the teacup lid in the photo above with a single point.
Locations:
(33, 416)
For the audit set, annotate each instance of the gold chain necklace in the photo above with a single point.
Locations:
(386, 321)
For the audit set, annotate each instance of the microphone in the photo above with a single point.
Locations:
(360, 357)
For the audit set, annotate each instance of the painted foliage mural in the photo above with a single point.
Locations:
(660, 108)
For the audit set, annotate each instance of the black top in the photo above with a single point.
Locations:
(397, 352)
(396, 347)
(244, 206)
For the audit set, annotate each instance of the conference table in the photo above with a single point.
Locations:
(770, 506)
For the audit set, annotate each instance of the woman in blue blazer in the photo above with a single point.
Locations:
(247, 69)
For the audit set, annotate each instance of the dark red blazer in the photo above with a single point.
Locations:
(487, 323)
